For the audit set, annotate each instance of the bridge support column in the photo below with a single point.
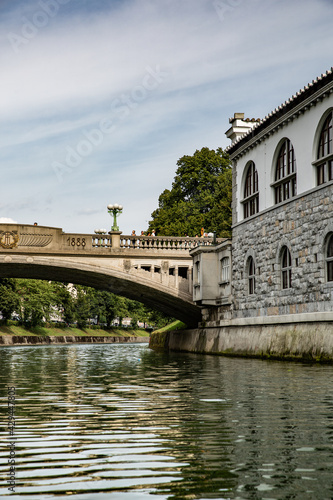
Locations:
(176, 277)
(189, 279)
(115, 238)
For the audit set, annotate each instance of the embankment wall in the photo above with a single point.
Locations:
(10, 340)
(310, 342)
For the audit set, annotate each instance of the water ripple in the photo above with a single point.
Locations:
(93, 422)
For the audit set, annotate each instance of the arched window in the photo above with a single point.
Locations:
(251, 274)
(285, 173)
(251, 193)
(329, 259)
(286, 268)
(325, 152)
(225, 269)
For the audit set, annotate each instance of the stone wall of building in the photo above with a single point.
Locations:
(302, 224)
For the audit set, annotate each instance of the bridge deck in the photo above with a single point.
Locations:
(43, 239)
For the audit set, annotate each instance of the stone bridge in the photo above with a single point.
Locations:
(154, 270)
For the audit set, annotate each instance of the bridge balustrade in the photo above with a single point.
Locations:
(104, 241)
(163, 242)
(27, 238)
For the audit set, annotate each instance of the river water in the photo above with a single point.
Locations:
(122, 422)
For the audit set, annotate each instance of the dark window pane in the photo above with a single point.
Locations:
(321, 174)
(330, 170)
(330, 247)
(286, 268)
(251, 275)
(330, 270)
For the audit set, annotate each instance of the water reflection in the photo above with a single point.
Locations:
(121, 421)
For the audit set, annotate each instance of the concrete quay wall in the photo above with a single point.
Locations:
(10, 340)
(304, 341)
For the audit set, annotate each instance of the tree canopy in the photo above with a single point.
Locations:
(35, 302)
(200, 197)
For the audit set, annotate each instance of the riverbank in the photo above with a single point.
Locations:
(10, 340)
(305, 342)
(13, 334)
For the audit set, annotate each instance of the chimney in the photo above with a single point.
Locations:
(239, 126)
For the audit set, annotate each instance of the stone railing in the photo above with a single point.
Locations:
(27, 238)
(102, 241)
(163, 242)
(146, 242)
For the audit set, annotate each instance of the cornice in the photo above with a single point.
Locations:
(283, 115)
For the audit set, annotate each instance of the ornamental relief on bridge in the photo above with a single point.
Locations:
(35, 240)
(8, 239)
(127, 265)
(11, 239)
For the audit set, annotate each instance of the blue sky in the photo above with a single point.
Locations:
(100, 98)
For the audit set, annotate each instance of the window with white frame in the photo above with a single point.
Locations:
(251, 192)
(324, 163)
(285, 173)
(225, 269)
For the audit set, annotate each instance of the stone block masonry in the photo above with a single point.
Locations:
(302, 224)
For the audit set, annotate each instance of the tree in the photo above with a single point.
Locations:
(103, 306)
(82, 306)
(9, 301)
(37, 298)
(65, 302)
(200, 197)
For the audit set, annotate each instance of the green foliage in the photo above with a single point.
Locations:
(65, 303)
(103, 306)
(37, 301)
(9, 301)
(82, 307)
(200, 197)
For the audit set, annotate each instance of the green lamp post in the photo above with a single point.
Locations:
(115, 210)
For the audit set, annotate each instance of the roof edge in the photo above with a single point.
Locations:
(306, 92)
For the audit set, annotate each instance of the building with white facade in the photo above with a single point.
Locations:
(281, 256)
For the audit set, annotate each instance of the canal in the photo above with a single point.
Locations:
(123, 422)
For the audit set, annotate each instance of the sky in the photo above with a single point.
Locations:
(100, 98)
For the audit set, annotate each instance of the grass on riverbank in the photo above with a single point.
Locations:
(43, 331)
(175, 325)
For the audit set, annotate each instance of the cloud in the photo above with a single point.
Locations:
(7, 220)
(65, 81)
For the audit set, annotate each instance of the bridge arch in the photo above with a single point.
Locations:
(171, 301)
